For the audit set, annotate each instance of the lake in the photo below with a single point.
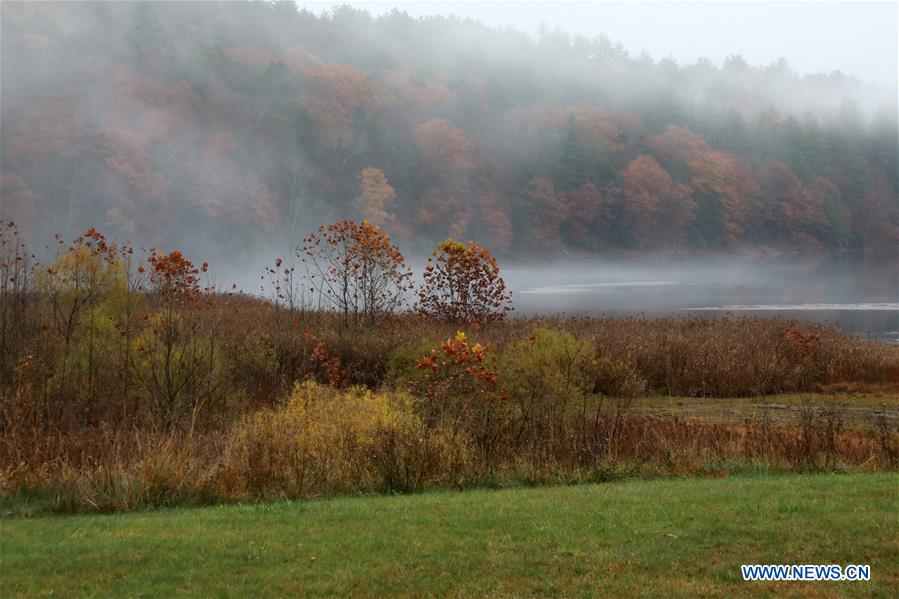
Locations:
(856, 293)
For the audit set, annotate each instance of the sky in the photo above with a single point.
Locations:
(857, 38)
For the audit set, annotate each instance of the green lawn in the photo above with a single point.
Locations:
(658, 538)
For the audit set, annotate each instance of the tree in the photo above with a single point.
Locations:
(146, 36)
(375, 194)
(790, 214)
(16, 294)
(494, 223)
(572, 159)
(447, 160)
(656, 209)
(839, 226)
(583, 207)
(724, 190)
(383, 279)
(462, 284)
(83, 278)
(175, 354)
(357, 269)
(447, 152)
(545, 214)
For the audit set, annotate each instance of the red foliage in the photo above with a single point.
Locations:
(173, 275)
(460, 389)
(462, 284)
(357, 268)
(330, 365)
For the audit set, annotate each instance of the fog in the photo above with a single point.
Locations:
(231, 130)
(857, 294)
(762, 32)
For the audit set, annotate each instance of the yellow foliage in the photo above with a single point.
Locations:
(376, 194)
(328, 439)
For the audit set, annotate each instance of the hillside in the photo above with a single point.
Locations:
(229, 125)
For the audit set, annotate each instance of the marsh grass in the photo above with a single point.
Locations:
(123, 387)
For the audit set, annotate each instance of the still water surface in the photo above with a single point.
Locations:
(856, 293)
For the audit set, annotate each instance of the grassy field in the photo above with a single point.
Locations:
(651, 538)
(857, 409)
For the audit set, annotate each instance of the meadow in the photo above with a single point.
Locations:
(672, 538)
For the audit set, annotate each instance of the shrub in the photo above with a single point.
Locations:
(462, 285)
(618, 378)
(459, 392)
(327, 440)
(402, 363)
(548, 379)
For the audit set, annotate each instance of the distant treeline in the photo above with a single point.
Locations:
(231, 124)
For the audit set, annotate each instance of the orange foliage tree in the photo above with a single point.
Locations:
(447, 161)
(723, 185)
(357, 269)
(462, 284)
(656, 209)
(376, 194)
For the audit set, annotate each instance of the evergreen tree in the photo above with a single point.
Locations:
(572, 166)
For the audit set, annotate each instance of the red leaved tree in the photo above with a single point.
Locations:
(175, 354)
(357, 269)
(462, 284)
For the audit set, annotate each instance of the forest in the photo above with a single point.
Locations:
(234, 125)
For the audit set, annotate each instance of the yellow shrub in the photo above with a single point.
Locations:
(327, 440)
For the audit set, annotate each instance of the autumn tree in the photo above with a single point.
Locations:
(790, 213)
(448, 160)
(383, 279)
(283, 285)
(375, 196)
(656, 208)
(82, 279)
(724, 187)
(16, 287)
(176, 355)
(461, 283)
(357, 269)
(546, 211)
(494, 223)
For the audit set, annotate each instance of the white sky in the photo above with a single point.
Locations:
(857, 38)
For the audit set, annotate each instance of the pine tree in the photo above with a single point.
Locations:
(572, 168)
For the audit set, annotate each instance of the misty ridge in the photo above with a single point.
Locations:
(233, 129)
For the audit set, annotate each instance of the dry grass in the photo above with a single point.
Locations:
(116, 397)
(324, 441)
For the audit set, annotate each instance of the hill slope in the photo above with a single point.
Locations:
(216, 126)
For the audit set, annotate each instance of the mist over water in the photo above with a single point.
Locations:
(228, 131)
(856, 293)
